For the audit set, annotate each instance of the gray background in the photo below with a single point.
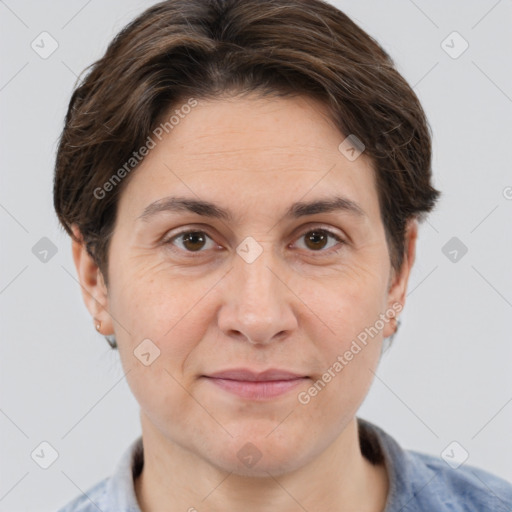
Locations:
(448, 376)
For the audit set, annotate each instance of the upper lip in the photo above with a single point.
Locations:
(245, 374)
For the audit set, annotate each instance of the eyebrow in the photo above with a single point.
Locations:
(209, 209)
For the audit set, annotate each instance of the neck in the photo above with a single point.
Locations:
(338, 479)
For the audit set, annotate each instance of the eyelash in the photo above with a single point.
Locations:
(169, 241)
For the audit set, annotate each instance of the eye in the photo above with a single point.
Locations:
(196, 241)
(317, 240)
(191, 241)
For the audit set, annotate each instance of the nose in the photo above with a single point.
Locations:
(257, 304)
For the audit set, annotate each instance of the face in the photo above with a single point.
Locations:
(284, 268)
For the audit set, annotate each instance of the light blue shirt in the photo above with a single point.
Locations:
(418, 482)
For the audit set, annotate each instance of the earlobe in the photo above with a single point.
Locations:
(398, 288)
(94, 290)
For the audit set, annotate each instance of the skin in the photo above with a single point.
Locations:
(296, 307)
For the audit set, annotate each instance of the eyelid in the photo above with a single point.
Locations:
(320, 227)
(191, 228)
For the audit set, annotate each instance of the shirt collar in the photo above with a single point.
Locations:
(378, 446)
(120, 488)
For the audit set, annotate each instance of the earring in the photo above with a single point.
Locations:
(111, 340)
(386, 343)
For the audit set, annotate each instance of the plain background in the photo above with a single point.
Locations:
(448, 375)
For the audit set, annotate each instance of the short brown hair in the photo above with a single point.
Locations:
(207, 48)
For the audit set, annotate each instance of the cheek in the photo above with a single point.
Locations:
(349, 336)
(350, 358)
(150, 300)
(168, 312)
(163, 397)
(346, 304)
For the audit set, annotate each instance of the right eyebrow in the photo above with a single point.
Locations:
(180, 204)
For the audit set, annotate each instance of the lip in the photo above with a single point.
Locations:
(254, 385)
(245, 374)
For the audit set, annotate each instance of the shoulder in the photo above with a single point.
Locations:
(116, 492)
(89, 501)
(423, 482)
(466, 488)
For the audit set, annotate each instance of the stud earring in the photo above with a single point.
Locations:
(111, 340)
(386, 344)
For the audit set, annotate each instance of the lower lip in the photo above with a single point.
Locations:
(261, 390)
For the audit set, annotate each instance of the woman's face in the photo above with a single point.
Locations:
(271, 282)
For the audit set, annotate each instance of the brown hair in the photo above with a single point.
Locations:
(207, 48)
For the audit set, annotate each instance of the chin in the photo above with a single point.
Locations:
(257, 455)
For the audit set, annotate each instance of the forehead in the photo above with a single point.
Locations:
(251, 151)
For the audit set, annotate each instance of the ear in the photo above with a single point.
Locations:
(398, 282)
(94, 290)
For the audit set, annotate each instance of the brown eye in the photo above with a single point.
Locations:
(191, 241)
(317, 240)
(194, 241)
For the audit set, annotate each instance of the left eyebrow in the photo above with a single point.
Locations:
(332, 204)
(209, 209)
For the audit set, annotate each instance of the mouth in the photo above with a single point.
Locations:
(256, 386)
